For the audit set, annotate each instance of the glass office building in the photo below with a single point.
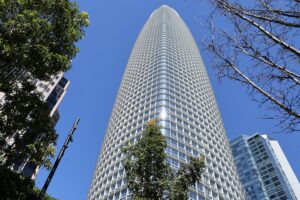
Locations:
(263, 169)
(165, 78)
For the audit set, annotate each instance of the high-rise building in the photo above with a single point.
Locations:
(52, 92)
(263, 168)
(166, 78)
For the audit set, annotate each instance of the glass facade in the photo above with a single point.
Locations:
(247, 169)
(165, 78)
(263, 169)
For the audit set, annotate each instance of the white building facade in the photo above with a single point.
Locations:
(166, 78)
(57, 85)
(52, 92)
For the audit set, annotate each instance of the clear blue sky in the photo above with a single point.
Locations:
(95, 77)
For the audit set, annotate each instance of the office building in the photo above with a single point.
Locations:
(52, 92)
(263, 169)
(165, 78)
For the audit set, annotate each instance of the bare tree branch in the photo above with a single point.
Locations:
(269, 9)
(235, 12)
(254, 85)
(256, 51)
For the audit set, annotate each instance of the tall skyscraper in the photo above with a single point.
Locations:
(263, 168)
(166, 78)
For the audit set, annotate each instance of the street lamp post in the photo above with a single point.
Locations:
(59, 157)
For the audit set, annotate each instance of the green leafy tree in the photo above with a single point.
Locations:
(187, 175)
(38, 36)
(148, 173)
(32, 142)
(18, 186)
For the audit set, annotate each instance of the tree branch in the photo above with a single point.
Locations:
(235, 12)
(254, 85)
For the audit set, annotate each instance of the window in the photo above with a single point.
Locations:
(123, 193)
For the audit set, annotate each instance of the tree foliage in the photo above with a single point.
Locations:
(148, 173)
(26, 120)
(187, 175)
(260, 50)
(37, 40)
(18, 187)
(39, 36)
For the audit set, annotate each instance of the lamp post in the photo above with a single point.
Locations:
(59, 157)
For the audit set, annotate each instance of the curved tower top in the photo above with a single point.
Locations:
(166, 78)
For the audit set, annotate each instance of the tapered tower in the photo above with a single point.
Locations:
(166, 78)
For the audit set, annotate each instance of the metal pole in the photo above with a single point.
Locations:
(60, 155)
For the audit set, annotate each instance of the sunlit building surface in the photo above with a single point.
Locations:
(165, 78)
(52, 92)
(263, 169)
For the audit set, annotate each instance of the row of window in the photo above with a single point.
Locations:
(167, 74)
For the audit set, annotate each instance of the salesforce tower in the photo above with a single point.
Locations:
(165, 78)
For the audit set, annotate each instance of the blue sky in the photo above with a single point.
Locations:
(95, 78)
